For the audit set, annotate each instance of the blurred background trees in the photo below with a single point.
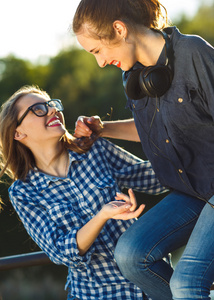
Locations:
(85, 89)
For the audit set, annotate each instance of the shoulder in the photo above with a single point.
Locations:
(16, 186)
(102, 144)
(187, 43)
(19, 187)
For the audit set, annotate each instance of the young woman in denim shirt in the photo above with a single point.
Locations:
(168, 79)
(69, 196)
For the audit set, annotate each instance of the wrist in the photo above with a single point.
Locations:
(106, 129)
(102, 217)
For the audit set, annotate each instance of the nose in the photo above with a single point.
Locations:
(51, 110)
(101, 62)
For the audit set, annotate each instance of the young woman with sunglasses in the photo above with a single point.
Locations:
(68, 197)
(168, 79)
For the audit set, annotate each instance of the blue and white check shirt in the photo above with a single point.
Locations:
(53, 209)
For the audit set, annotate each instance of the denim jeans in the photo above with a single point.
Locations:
(164, 228)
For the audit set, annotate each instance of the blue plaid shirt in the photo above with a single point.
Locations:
(53, 209)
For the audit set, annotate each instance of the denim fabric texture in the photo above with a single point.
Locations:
(164, 228)
(177, 136)
(176, 130)
(195, 269)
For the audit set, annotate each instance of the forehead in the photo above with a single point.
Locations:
(30, 99)
(88, 42)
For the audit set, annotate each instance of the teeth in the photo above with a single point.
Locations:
(53, 122)
(116, 63)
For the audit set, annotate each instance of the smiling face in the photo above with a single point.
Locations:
(36, 130)
(117, 52)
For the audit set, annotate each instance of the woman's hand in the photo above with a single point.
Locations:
(124, 208)
(85, 126)
(121, 129)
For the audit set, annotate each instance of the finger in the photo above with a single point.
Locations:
(131, 215)
(80, 123)
(118, 203)
(129, 199)
(121, 211)
(81, 119)
(132, 199)
(93, 119)
(78, 133)
(121, 196)
(81, 129)
(138, 211)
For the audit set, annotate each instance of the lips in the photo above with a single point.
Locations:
(53, 122)
(116, 63)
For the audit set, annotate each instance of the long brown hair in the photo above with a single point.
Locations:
(15, 158)
(99, 15)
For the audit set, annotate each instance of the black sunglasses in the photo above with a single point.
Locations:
(41, 109)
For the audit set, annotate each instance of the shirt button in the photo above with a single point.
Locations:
(167, 141)
(158, 109)
(91, 214)
(180, 100)
(133, 106)
(180, 171)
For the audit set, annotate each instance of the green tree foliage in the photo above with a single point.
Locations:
(201, 24)
(85, 89)
(15, 72)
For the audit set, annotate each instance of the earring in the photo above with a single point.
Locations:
(124, 38)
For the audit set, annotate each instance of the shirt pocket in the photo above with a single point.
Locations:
(104, 181)
(104, 189)
(63, 216)
(138, 105)
(183, 110)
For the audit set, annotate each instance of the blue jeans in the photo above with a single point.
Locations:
(163, 229)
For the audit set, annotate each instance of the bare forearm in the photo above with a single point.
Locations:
(89, 232)
(122, 129)
(124, 208)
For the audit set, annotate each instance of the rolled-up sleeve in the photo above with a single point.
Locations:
(55, 233)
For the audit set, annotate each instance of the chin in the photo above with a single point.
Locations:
(126, 68)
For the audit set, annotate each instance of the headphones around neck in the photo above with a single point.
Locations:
(152, 81)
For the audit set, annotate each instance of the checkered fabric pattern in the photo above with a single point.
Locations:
(53, 209)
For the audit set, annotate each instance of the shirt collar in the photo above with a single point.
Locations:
(42, 180)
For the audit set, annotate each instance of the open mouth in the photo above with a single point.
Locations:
(53, 122)
(116, 63)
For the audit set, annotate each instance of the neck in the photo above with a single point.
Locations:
(51, 162)
(149, 47)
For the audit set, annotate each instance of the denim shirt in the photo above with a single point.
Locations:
(177, 129)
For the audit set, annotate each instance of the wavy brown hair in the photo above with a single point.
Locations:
(15, 158)
(99, 16)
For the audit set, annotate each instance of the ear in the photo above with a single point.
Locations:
(120, 28)
(18, 136)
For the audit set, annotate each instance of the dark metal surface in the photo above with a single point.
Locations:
(24, 260)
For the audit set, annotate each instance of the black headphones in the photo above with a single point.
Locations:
(152, 81)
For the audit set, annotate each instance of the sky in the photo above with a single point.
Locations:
(37, 30)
